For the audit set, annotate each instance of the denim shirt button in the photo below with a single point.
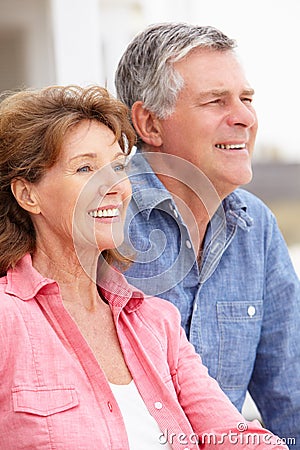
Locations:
(251, 311)
(188, 244)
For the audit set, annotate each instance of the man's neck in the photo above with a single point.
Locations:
(195, 211)
(195, 196)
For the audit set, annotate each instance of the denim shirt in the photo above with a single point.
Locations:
(240, 309)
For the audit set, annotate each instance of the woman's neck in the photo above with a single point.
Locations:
(74, 273)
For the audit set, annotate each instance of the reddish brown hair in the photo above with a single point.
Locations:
(33, 124)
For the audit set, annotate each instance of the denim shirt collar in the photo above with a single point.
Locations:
(148, 192)
(236, 211)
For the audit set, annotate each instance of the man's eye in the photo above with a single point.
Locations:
(84, 169)
(217, 101)
(247, 100)
(213, 101)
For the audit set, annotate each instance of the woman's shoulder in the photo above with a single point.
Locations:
(8, 302)
(156, 307)
(160, 303)
(4, 297)
(160, 312)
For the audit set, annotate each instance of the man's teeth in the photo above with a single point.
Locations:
(114, 212)
(230, 146)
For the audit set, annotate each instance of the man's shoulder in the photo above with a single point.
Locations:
(248, 201)
(261, 221)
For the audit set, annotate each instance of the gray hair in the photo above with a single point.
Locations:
(146, 73)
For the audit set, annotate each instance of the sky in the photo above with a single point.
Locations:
(268, 37)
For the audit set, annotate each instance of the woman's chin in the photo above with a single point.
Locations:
(112, 243)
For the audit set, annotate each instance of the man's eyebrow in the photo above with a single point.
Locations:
(204, 95)
(248, 91)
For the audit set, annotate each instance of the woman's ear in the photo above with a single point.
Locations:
(146, 124)
(24, 193)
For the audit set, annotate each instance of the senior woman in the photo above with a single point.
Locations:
(88, 365)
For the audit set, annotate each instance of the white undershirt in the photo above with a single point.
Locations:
(142, 429)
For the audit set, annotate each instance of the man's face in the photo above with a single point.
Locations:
(214, 124)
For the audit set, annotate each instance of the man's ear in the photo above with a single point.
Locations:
(24, 193)
(146, 124)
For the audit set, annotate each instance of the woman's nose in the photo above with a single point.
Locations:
(112, 182)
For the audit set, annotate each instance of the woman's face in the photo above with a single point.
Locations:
(83, 198)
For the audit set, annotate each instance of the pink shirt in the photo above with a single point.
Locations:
(54, 395)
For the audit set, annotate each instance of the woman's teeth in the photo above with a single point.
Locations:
(114, 212)
(231, 146)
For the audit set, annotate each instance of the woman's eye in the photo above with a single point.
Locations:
(119, 167)
(84, 169)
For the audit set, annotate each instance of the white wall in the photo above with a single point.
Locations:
(28, 18)
(77, 41)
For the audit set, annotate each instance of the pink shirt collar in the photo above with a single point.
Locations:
(25, 282)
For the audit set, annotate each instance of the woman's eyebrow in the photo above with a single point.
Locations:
(117, 155)
(83, 155)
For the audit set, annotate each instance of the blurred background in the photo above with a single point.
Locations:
(80, 41)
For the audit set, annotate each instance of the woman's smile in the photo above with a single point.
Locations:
(106, 214)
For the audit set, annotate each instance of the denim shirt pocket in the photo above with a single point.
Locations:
(239, 328)
(44, 401)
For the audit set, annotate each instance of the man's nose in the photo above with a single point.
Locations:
(241, 114)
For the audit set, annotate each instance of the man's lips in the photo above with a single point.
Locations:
(231, 146)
